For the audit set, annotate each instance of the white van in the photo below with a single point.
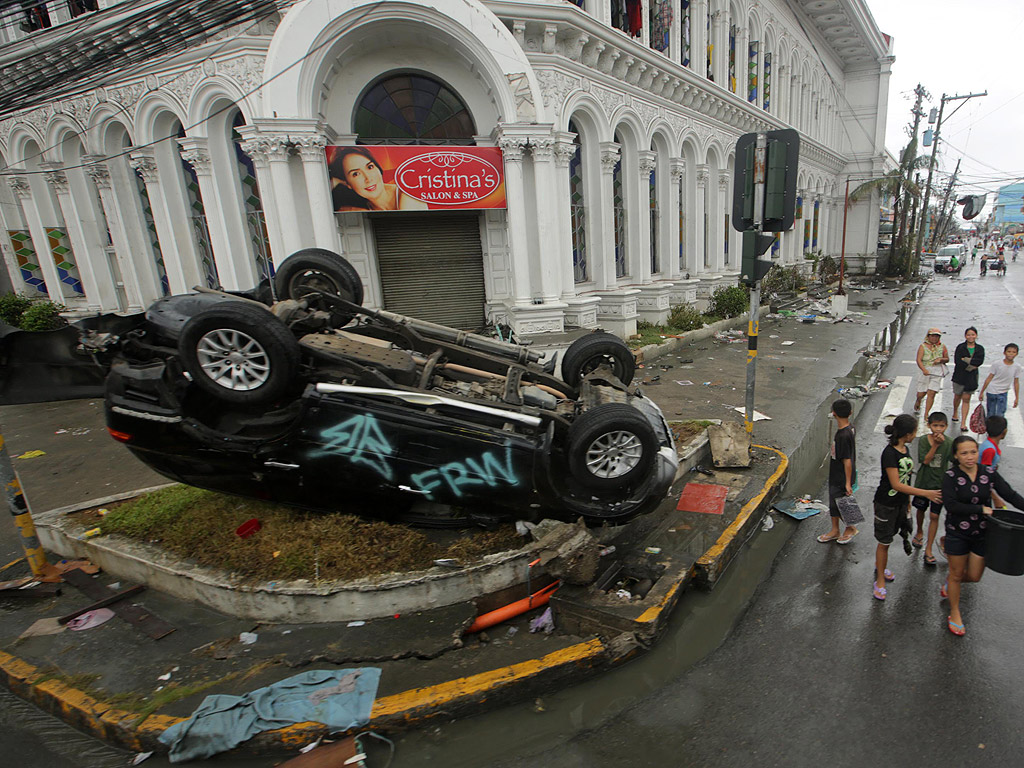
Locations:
(950, 259)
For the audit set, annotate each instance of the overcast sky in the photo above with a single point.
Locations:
(958, 48)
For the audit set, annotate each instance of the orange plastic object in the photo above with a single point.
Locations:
(510, 611)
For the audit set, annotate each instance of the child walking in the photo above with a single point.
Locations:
(933, 452)
(842, 469)
(892, 511)
(1001, 376)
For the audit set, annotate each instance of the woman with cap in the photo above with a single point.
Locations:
(932, 357)
(968, 358)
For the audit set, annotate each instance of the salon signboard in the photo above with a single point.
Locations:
(415, 178)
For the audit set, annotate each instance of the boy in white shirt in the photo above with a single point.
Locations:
(1001, 376)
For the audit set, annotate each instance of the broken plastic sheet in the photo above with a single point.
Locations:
(799, 509)
(222, 722)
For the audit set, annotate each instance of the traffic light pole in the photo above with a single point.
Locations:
(760, 157)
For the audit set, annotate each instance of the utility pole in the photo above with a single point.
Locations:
(912, 263)
(945, 217)
(900, 228)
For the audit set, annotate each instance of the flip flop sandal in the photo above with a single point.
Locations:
(825, 538)
(956, 629)
(878, 592)
(944, 591)
(889, 575)
(918, 542)
(846, 539)
(930, 560)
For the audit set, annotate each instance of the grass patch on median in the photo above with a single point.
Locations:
(200, 526)
(685, 431)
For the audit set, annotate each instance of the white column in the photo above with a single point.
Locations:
(720, 35)
(547, 194)
(93, 268)
(677, 172)
(641, 269)
(318, 190)
(565, 148)
(100, 175)
(179, 277)
(823, 225)
(512, 147)
(604, 263)
(702, 257)
(277, 152)
(724, 177)
(22, 188)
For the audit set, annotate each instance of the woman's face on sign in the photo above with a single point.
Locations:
(363, 175)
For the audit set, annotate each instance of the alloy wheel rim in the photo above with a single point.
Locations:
(614, 454)
(233, 359)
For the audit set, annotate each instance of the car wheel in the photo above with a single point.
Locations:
(319, 269)
(239, 353)
(611, 446)
(589, 352)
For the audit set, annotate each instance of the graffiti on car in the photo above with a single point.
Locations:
(361, 440)
(488, 470)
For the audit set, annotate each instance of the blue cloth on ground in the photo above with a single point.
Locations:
(340, 699)
(799, 510)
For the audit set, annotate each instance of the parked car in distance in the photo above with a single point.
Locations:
(315, 401)
(949, 259)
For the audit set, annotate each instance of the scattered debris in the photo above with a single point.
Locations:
(43, 627)
(544, 623)
(248, 638)
(568, 551)
(685, 383)
(788, 343)
(511, 632)
(31, 455)
(768, 523)
(90, 619)
(141, 757)
(248, 528)
(652, 550)
(357, 623)
(758, 416)
(800, 509)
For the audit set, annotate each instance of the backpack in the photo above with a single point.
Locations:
(977, 421)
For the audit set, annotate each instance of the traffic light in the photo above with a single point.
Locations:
(752, 268)
(782, 149)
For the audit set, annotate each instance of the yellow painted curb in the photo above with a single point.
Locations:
(114, 725)
(711, 556)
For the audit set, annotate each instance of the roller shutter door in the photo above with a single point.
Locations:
(432, 267)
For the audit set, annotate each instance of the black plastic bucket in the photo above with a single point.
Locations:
(1004, 542)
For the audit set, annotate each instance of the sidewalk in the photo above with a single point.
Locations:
(97, 679)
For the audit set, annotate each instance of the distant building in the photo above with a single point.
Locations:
(148, 147)
(1008, 206)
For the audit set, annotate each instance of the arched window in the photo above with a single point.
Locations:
(197, 213)
(655, 222)
(578, 210)
(412, 109)
(619, 211)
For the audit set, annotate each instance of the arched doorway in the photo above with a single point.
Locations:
(430, 264)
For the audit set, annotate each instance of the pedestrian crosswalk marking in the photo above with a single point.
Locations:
(1014, 428)
(894, 402)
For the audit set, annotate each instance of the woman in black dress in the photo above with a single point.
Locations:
(967, 495)
(967, 360)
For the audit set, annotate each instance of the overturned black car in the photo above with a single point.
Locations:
(297, 394)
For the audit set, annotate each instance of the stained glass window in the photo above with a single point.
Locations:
(752, 72)
(682, 227)
(684, 33)
(64, 259)
(28, 264)
(578, 211)
(725, 239)
(660, 24)
(814, 232)
(412, 109)
(767, 82)
(655, 217)
(619, 210)
(732, 58)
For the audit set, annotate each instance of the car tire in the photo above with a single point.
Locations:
(321, 269)
(239, 353)
(588, 352)
(611, 446)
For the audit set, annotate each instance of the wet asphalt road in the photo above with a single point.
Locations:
(810, 669)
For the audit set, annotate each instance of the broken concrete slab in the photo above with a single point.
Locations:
(730, 444)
